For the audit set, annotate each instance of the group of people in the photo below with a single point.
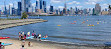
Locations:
(23, 36)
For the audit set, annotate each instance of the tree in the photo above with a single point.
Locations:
(24, 15)
(110, 7)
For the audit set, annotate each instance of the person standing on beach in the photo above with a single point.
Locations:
(22, 47)
(39, 36)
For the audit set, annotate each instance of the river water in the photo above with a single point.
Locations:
(71, 29)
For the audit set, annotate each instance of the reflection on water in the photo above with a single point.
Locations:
(73, 29)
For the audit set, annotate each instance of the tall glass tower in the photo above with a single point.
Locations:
(40, 4)
(44, 6)
(25, 5)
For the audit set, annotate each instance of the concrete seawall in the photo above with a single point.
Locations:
(12, 23)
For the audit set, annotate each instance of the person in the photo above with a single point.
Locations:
(45, 36)
(22, 47)
(25, 36)
(29, 44)
(22, 38)
(22, 33)
(35, 35)
(19, 35)
(39, 36)
(28, 34)
(1, 45)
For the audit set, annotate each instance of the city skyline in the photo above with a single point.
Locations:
(60, 3)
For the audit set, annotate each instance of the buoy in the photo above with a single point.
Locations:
(90, 25)
(87, 20)
(97, 22)
(58, 25)
(83, 22)
(74, 21)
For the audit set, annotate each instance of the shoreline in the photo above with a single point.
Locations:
(13, 23)
(49, 45)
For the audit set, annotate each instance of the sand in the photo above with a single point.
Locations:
(17, 45)
(42, 45)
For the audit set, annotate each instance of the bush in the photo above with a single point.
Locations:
(24, 15)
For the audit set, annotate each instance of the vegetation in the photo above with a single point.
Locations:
(24, 15)
(110, 7)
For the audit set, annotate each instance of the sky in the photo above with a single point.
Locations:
(81, 4)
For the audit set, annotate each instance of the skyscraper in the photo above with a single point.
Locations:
(97, 9)
(65, 8)
(13, 10)
(5, 11)
(9, 10)
(19, 8)
(44, 6)
(93, 11)
(40, 4)
(51, 8)
(25, 5)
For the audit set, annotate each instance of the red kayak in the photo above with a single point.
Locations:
(4, 37)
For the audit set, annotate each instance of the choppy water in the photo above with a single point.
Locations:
(67, 32)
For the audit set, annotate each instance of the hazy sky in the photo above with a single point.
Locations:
(60, 3)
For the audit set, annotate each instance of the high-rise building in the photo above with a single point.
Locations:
(37, 6)
(44, 6)
(5, 11)
(51, 8)
(40, 4)
(97, 9)
(65, 8)
(93, 11)
(25, 5)
(9, 10)
(13, 10)
(19, 8)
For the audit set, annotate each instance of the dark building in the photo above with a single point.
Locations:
(5, 12)
(44, 6)
(51, 8)
(19, 8)
(36, 3)
(40, 4)
(13, 11)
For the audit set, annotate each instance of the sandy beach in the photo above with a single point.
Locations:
(42, 45)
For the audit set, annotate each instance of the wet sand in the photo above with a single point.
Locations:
(42, 45)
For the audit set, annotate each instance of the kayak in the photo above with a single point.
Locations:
(44, 38)
(4, 37)
(31, 37)
(6, 44)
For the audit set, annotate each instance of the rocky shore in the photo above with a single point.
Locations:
(12, 23)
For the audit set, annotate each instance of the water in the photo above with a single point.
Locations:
(67, 32)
